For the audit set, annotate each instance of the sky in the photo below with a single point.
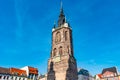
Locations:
(26, 30)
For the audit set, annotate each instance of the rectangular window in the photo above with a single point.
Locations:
(15, 78)
(0, 77)
(4, 77)
(11, 77)
(7, 77)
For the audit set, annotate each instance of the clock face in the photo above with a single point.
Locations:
(58, 37)
(57, 59)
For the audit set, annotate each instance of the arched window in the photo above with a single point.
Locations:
(66, 35)
(58, 37)
(60, 50)
(67, 49)
(54, 52)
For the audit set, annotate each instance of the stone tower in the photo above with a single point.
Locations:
(62, 63)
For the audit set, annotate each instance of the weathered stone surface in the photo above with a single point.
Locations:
(62, 64)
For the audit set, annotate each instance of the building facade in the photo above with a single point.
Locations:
(32, 73)
(12, 74)
(84, 74)
(108, 74)
(4, 74)
(62, 63)
(43, 77)
(98, 77)
(26, 73)
(17, 74)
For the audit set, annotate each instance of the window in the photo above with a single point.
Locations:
(60, 50)
(67, 49)
(54, 52)
(11, 77)
(66, 35)
(15, 78)
(58, 37)
(0, 77)
(16, 73)
(7, 77)
(4, 77)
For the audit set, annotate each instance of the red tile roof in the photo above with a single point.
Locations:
(33, 70)
(99, 75)
(18, 72)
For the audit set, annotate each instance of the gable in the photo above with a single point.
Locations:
(108, 74)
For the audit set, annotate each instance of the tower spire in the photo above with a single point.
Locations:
(61, 6)
(61, 19)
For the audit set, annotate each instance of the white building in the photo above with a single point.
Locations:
(32, 73)
(4, 74)
(17, 74)
(43, 77)
(98, 77)
(12, 74)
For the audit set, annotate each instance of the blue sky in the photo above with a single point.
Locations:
(26, 28)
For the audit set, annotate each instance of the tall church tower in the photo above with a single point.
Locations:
(62, 64)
